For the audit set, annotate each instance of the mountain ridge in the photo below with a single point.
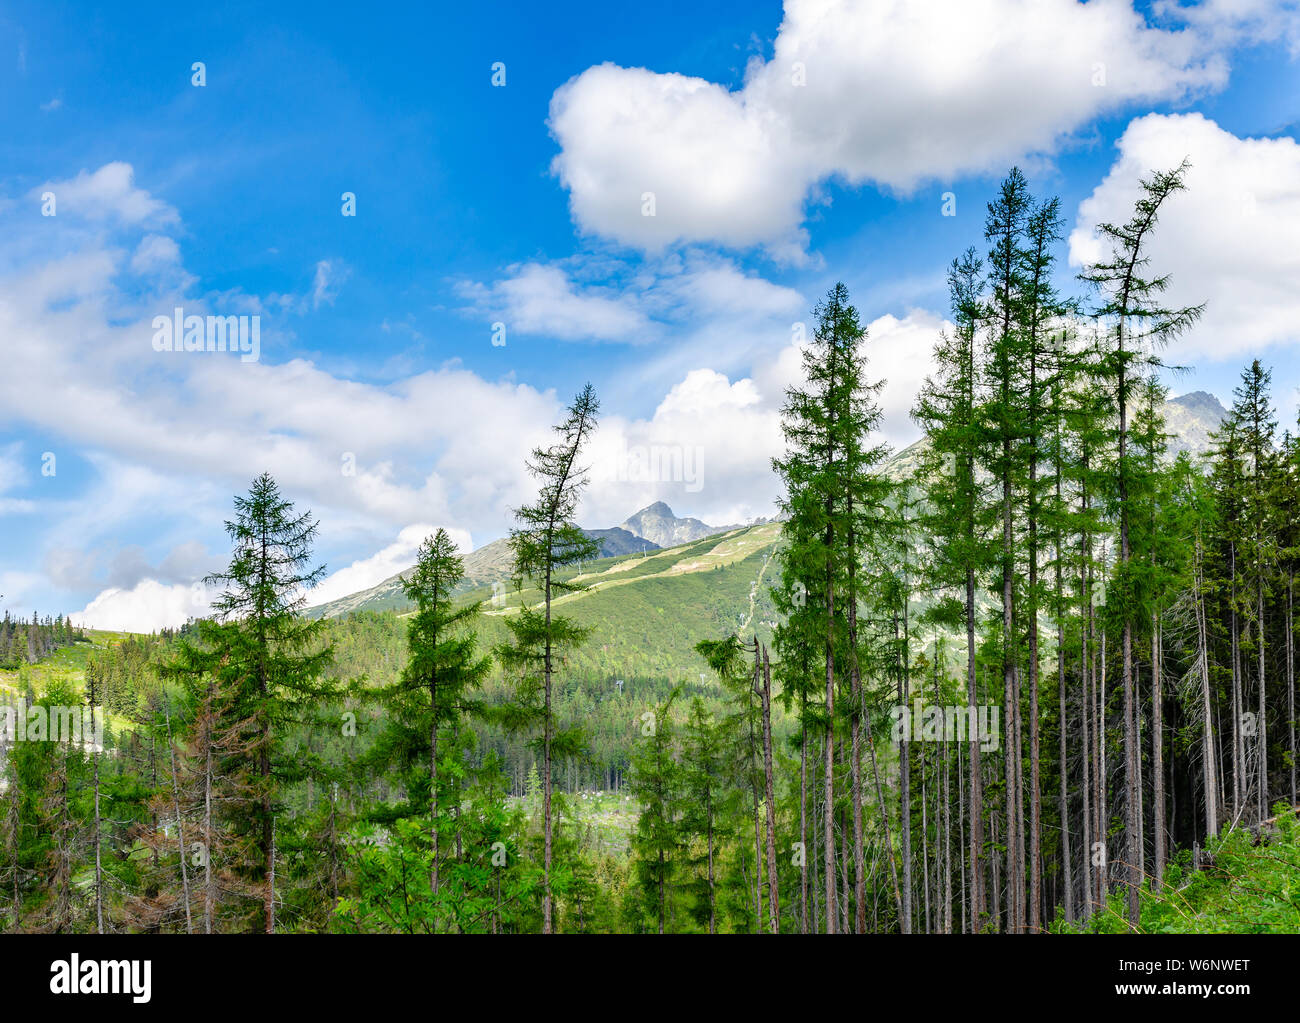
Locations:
(1190, 418)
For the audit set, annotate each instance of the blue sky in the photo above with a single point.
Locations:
(785, 148)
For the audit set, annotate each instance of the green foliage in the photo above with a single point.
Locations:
(1248, 884)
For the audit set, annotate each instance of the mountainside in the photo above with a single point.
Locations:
(618, 540)
(483, 567)
(1189, 419)
(646, 610)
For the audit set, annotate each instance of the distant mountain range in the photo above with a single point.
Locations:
(651, 529)
(657, 523)
(656, 532)
(1190, 419)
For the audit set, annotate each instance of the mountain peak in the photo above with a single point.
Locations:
(1202, 401)
(1190, 419)
(658, 508)
(657, 523)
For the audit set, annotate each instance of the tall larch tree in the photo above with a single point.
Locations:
(1136, 327)
(547, 541)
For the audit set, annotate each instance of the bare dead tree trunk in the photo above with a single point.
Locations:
(884, 820)
(1262, 741)
(1034, 852)
(180, 825)
(905, 784)
(1011, 696)
(772, 886)
(208, 890)
(547, 927)
(855, 742)
(944, 759)
(829, 781)
(1158, 752)
(99, 865)
(433, 790)
(1238, 755)
(1290, 672)
(1209, 752)
(978, 907)
(803, 814)
(926, 917)
(1103, 787)
(1067, 859)
(966, 927)
(1086, 715)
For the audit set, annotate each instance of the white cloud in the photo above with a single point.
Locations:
(542, 299)
(718, 167)
(551, 300)
(155, 252)
(895, 92)
(396, 557)
(419, 445)
(328, 278)
(168, 437)
(719, 288)
(109, 194)
(1230, 21)
(146, 607)
(1229, 241)
(707, 448)
(12, 471)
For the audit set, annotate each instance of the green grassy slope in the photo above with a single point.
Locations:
(1249, 883)
(67, 664)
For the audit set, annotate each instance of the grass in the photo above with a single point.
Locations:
(66, 665)
(1248, 884)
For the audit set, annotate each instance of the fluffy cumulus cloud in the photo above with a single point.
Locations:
(155, 252)
(892, 92)
(899, 353)
(109, 194)
(536, 298)
(146, 607)
(595, 300)
(705, 450)
(383, 564)
(1229, 241)
(1232, 21)
(708, 447)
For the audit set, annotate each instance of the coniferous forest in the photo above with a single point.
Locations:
(762, 469)
(1041, 680)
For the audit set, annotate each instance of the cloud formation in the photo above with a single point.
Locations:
(893, 93)
(1229, 241)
